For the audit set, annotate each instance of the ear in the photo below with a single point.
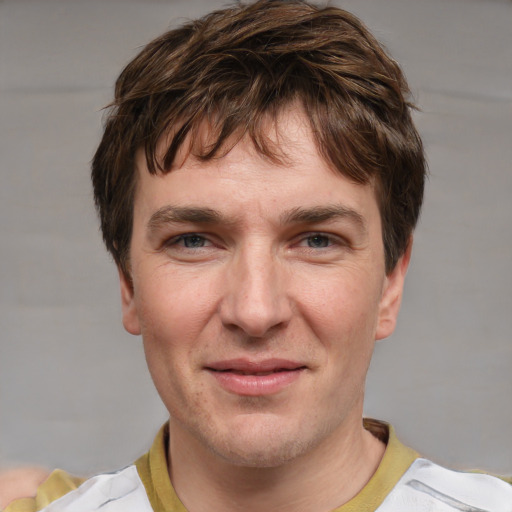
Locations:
(130, 316)
(392, 295)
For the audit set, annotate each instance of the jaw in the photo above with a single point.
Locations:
(262, 431)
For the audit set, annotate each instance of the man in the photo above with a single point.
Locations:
(258, 183)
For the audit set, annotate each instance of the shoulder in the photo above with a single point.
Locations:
(111, 492)
(426, 484)
(56, 485)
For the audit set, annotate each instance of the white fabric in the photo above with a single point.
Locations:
(424, 487)
(427, 487)
(122, 491)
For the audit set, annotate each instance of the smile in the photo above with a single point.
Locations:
(260, 374)
(246, 378)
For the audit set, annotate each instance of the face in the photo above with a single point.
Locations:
(259, 290)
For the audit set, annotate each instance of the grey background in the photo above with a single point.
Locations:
(74, 391)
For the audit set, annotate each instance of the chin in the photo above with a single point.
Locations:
(261, 444)
(268, 456)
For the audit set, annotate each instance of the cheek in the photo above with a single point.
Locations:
(173, 306)
(173, 319)
(341, 306)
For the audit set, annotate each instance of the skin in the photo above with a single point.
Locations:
(20, 482)
(240, 258)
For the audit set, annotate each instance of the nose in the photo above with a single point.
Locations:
(256, 299)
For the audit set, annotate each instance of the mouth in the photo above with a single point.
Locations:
(255, 378)
(261, 374)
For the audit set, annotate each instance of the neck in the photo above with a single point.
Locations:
(325, 478)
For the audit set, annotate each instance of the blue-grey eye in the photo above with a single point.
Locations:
(193, 241)
(318, 241)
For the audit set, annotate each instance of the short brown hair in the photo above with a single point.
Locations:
(235, 67)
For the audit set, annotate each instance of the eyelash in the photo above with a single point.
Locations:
(328, 239)
(324, 237)
(175, 241)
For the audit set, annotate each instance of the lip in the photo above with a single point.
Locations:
(255, 378)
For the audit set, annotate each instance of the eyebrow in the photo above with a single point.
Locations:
(182, 214)
(202, 215)
(319, 214)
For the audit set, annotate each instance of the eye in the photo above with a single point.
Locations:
(192, 241)
(189, 241)
(193, 247)
(320, 246)
(318, 241)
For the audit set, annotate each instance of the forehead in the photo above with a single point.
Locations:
(241, 176)
(276, 137)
